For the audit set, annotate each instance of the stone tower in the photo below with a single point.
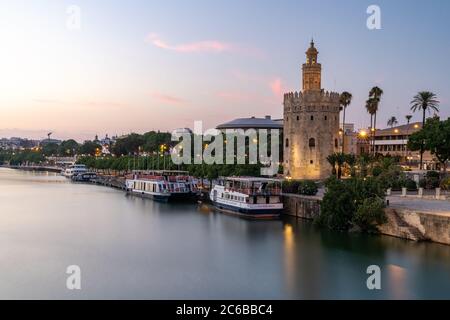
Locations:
(311, 124)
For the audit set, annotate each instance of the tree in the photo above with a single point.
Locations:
(89, 148)
(424, 100)
(50, 149)
(128, 145)
(68, 148)
(345, 100)
(153, 140)
(434, 137)
(370, 107)
(392, 121)
(375, 98)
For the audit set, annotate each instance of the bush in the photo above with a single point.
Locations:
(410, 185)
(342, 200)
(291, 186)
(423, 183)
(376, 171)
(445, 184)
(337, 207)
(370, 214)
(432, 174)
(308, 188)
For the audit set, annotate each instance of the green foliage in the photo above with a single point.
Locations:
(445, 184)
(370, 214)
(343, 198)
(26, 157)
(376, 171)
(128, 145)
(89, 148)
(410, 185)
(68, 148)
(434, 137)
(308, 188)
(338, 206)
(303, 187)
(50, 149)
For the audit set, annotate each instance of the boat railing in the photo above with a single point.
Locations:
(256, 191)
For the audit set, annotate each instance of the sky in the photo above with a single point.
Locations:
(81, 68)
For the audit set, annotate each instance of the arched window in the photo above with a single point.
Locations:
(326, 118)
(287, 143)
(312, 118)
(312, 143)
(298, 118)
(336, 143)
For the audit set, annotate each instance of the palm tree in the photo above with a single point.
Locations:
(332, 159)
(424, 100)
(408, 120)
(370, 106)
(375, 94)
(345, 100)
(392, 121)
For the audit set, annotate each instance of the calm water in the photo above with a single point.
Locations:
(129, 247)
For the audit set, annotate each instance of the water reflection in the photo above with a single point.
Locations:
(130, 247)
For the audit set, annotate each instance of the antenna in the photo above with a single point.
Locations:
(49, 134)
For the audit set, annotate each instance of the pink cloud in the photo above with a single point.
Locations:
(277, 87)
(207, 46)
(167, 99)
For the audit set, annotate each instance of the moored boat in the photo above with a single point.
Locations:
(248, 196)
(74, 170)
(162, 185)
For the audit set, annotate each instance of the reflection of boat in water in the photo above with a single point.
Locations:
(84, 177)
(74, 170)
(162, 185)
(248, 196)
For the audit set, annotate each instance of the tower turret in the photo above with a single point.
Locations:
(312, 70)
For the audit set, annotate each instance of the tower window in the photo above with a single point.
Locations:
(287, 143)
(326, 118)
(336, 143)
(311, 162)
(312, 118)
(312, 143)
(298, 118)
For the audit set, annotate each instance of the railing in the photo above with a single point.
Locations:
(256, 191)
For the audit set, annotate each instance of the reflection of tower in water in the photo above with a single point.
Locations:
(302, 267)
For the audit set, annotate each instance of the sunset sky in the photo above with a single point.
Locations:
(149, 65)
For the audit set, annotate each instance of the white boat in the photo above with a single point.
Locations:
(248, 196)
(74, 170)
(162, 185)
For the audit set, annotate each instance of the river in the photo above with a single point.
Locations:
(133, 248)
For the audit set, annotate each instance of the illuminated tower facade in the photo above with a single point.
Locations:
(311, 124)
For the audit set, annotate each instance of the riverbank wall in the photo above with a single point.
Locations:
(402, 223)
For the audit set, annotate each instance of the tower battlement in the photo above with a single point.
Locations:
(299, 97)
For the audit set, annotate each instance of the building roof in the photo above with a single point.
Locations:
(253, 123)
(400, 130)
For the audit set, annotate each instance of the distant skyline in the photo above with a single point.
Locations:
(141, 65)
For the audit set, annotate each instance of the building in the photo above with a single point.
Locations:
(311, 124)
(252, 123)
(393, 141)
